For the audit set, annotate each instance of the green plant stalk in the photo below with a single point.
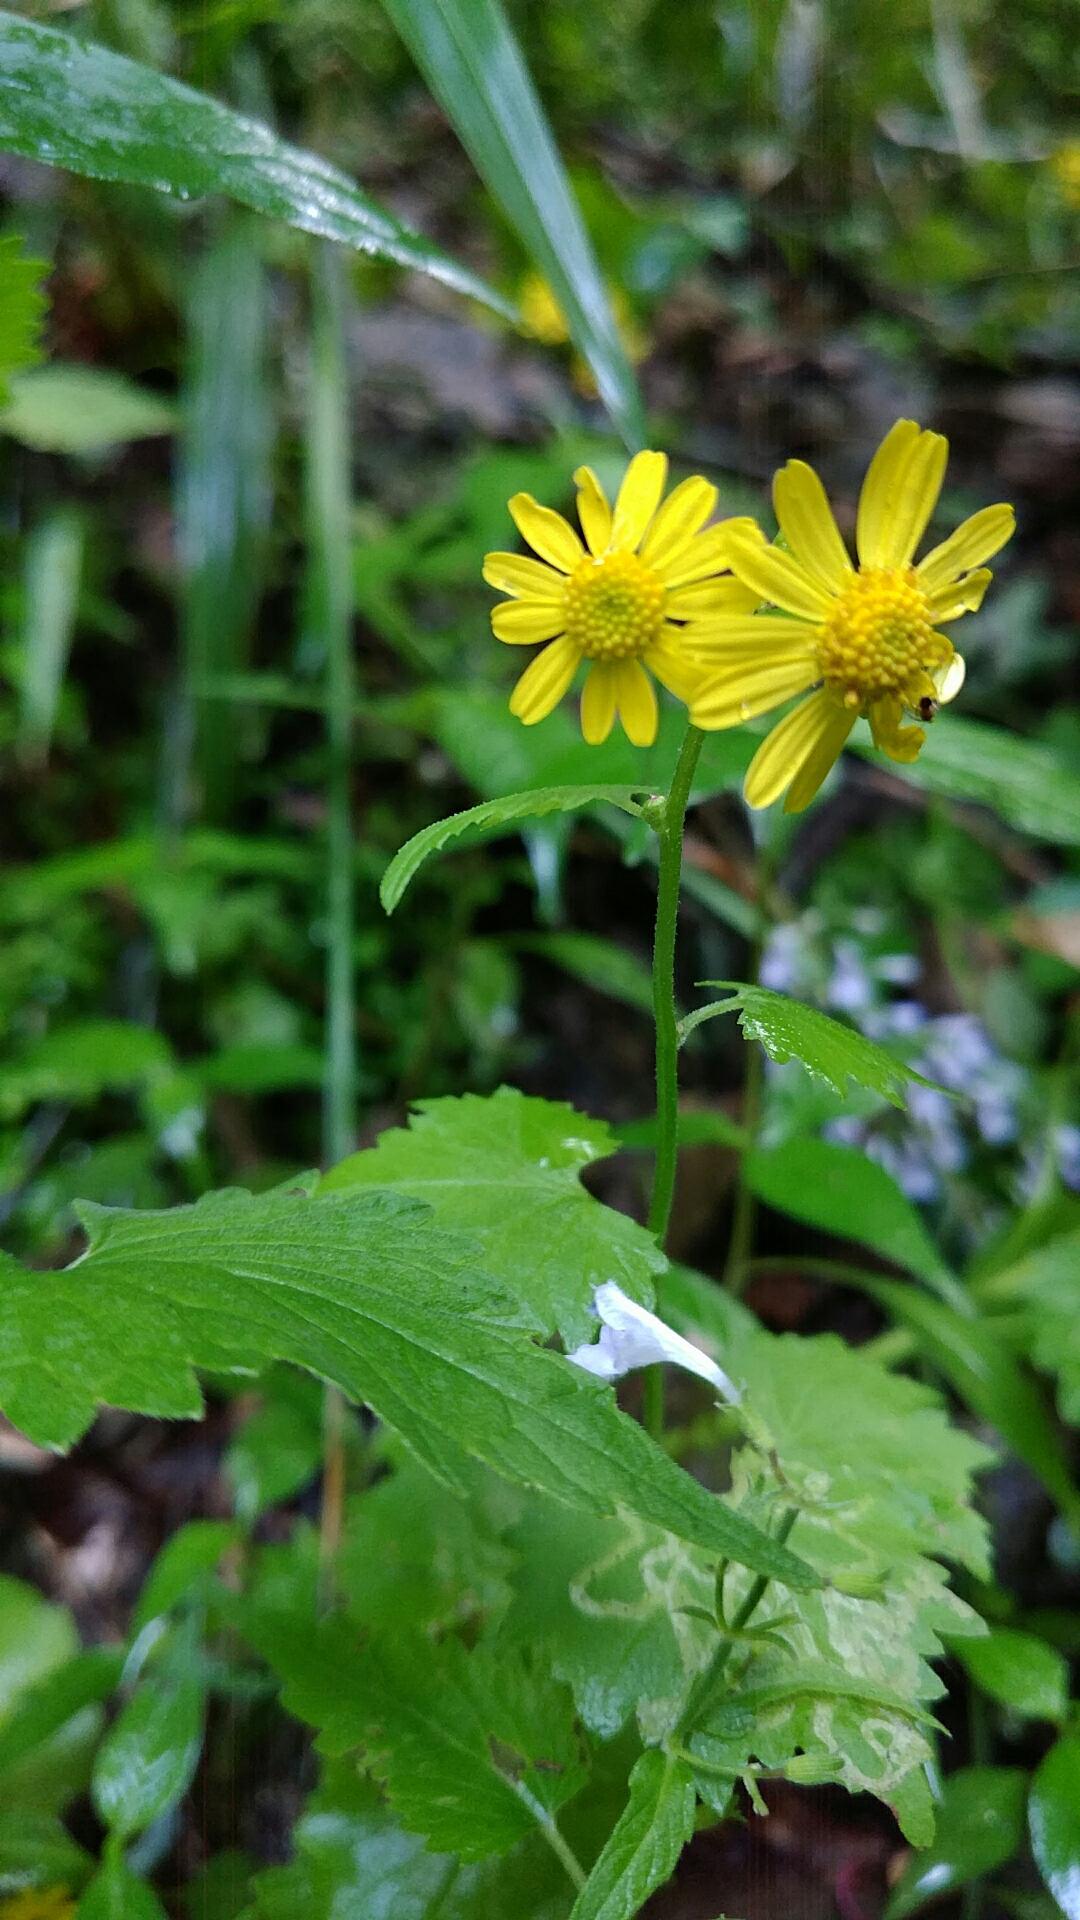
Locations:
(709, 1677)
(744, 1215)
(670, 835)
(329, 608)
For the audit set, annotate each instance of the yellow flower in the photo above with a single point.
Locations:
(45, 1903)
(618, 604)
(543, 319)
(1064, 164)
(865, 638)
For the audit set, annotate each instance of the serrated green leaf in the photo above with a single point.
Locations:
(492, 817)
(147, 1760)
(842, 1191)
(81, 410)
(354, 1858)
(1020, 1671)
(840, 1676)
(1024, 781)
(506, 1170)
(22, 309)
(979, 1823)
(77, 105)
(1048, 1283)
(360, 1290)
(790, 1030)
(973, 1357)
(473, 65)
(1054, 1823)
(472, 1749)
(644, 1848)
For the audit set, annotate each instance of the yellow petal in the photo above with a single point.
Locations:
(526, 579)
(817, 728)
(727, 699)
(807, 524)
(949, 679)
(682, 515)
(961, 596)
(673, 666)
(524, 623)
(544, 681)
(976, 540)
(720, 597)
(636, 698)
(891, 736)
(819, 762)
(749, 637)
(899, 494)
(547, 533)
(598, 702)
(639, 497)
(593, 511)
(777, 577)
(708, 553)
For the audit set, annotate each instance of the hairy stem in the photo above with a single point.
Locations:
(670, 834)
(710, 1676)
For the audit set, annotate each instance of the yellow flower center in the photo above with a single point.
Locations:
(614, 606)
(879, 639)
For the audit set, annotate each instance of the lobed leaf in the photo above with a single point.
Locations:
(361, 1290)
(470, 59)
(491, 818)
(78, 105)
(790, 1030)
(506, 1170)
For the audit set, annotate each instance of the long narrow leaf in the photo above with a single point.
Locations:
(96, 113)
(473, 65)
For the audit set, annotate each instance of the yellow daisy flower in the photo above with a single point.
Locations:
(865, 638)
(1064, 165)
(39, 1903)
(621, 602)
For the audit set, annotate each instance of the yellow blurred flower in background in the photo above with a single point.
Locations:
(865, 638)
(1064, 164)
(543, 319)
(621, 601)
(34, 1903)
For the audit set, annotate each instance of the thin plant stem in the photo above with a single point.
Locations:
(329, 607)
(709, 1678)
(670, 834)
(560, 1847)
(744, 1213)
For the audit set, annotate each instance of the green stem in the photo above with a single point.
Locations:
(709, 1678)
(744, 1215)
(559, 1846)
(667, 1038)
(328, 504)
(670, 835)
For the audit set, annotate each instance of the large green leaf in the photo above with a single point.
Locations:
(979, 1824)
(1027, 783)
(354, 1859)
(83, 107)
(82, 410)
(149, 1755)
(507, 1171)
(1021, 1671)
(473, 65)
(974, 1358)
(841, 1191)
(493, 817)
(644, 1848)
(361, 1290)
(790, 1030)
(473, 1749)
(1054, 1822)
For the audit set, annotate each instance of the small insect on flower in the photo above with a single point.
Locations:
(860, 640)
(619, 603)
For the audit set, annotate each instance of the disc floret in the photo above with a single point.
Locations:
(879, 639)
(614, 607)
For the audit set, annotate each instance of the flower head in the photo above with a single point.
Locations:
(618, 602)
(864, 638)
